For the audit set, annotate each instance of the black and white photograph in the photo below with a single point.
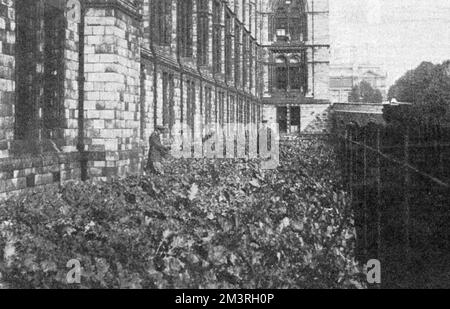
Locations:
(224, 150)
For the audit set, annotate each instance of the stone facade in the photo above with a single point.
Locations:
(296, 40)
(127, 66)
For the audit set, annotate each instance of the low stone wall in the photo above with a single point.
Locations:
(20, 173)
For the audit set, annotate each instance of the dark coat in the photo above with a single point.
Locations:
(157, 150)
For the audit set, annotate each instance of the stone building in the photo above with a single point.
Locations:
(296, 47)
(82, 90)
(343, 77)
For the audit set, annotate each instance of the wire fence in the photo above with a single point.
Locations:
(399, 180)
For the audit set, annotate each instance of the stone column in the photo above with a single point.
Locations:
(7, 78)
(112, 96)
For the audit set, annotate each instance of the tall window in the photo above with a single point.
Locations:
(161, 21)
(247, 112)
(221, 100)
(185, 26)
(190, 104)
(232, 110)
(168, 100)
(281, 73)
(290, 22)
(282, 119)
(216, 109)
(39, 70)
(241, 111)
(217, 36)
(208, 105)
(237, 53)
(245, 58)
(254, 116)
(251, 64)
(291, 74)
(295, 71)
(228, 46)
(203, 32)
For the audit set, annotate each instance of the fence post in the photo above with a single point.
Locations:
(407, 180)
(350, 166)
(365, 189)
(379, 189)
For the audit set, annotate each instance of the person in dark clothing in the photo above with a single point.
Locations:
(157, 152)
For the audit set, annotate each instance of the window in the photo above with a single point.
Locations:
(247, 112)
(208, 105)
(161, 21)
(232, 110)
(227, 119)
(281, 73)
(254, 116)
(190, 104)
(298, 73)
(217, 36)
(251, 64)
(216, 109)
(250, 15)
(39, 70)
(237, 53)
(295, 117)
(282, 119)
(294, 74)
(221, 100)
(228, 46)
(203, 32)
(168, 100)
(185, 26)
(241, 111)
(245, 51)
(289, 22)
(291, 74)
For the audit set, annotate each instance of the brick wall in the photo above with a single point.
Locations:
(55, 162)
(122, 93)
(112, 90)
(7, 84)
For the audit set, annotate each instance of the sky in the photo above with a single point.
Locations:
(395, 34)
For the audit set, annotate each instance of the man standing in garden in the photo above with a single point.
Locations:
(157, 151)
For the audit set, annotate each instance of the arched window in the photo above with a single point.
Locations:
(185, 26)
(228, 45)
(237, 53)
(161, 21)
(281, 73)
(203, 32)
(295, 80)
(290, 21)
(217, 36)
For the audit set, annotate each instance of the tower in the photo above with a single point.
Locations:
(297, 52)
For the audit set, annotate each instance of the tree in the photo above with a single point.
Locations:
(365, 93)
(411, 86)
(428, 89)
